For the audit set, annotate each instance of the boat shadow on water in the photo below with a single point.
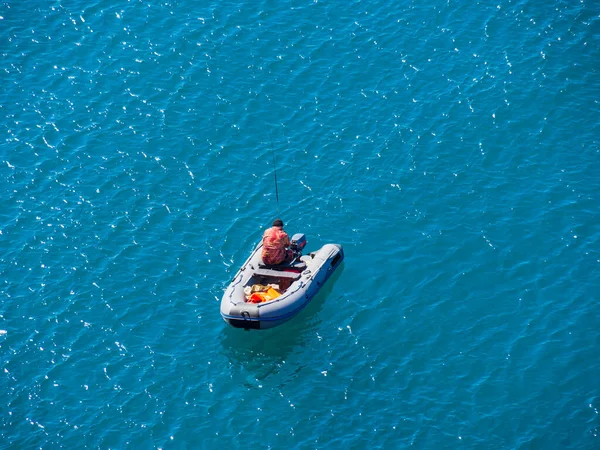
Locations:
(266, 350)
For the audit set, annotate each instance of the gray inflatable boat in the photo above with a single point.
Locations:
(263, 296)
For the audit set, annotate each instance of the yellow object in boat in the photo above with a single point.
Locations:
(271, 294)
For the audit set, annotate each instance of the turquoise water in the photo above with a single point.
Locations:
(452, 148)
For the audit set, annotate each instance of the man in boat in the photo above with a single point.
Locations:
(276, 244)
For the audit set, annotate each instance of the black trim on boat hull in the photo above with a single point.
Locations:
(245, 324)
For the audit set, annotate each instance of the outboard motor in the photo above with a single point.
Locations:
(298, 243)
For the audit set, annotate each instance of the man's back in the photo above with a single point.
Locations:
(275, 242)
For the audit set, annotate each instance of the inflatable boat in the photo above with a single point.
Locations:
(263, 296)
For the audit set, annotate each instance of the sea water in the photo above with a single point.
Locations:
(451, 147)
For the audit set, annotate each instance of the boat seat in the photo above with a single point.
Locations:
(277, 273)
(298, 265)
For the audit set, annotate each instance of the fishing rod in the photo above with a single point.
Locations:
(275, 173)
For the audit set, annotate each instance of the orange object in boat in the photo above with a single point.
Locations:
(271, 294)
(259, 297)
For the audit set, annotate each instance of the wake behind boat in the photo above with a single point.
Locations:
(263, 296)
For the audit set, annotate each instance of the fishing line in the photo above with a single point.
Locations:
(275, 173)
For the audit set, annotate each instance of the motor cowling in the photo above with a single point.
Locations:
(298, 242)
